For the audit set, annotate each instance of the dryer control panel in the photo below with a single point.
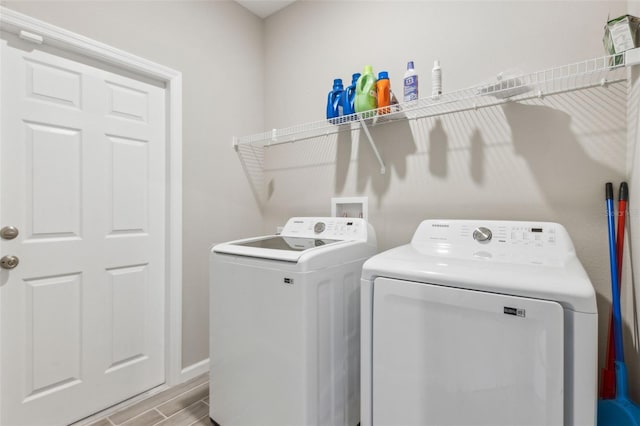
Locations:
(338, 228)
(544, 241)
(535, 234)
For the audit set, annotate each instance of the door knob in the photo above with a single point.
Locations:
(9, 262)
(9, 232)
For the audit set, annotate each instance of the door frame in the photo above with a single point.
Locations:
(41, 32)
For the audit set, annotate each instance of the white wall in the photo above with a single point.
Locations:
(540, 160)
(217, 46)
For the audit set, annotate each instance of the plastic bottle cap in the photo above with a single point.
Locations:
(436, 63)
(355, 76)
(368, 69)
(383, 74)
(410, 65)
(337, 83)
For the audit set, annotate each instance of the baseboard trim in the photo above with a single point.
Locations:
(194, 370)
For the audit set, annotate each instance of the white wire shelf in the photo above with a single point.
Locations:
(600, 71)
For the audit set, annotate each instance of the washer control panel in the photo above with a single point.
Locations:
(336, 228)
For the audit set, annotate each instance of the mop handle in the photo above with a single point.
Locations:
(617, 318)
(623, 197)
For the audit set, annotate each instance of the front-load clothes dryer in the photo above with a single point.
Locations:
(285, 325)
(474, 323)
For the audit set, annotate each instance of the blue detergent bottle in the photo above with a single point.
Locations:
(349, 96)
(334, 100)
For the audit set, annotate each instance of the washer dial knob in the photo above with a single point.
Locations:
(482, 234)
(319, 227)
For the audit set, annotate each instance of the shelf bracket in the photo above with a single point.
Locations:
(373, 145)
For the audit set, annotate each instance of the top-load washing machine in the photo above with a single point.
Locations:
(479, 323)
(285, 325)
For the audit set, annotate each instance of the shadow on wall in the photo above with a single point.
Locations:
(438, 147)
(477, 157)
(565, 173)
(395, 143)
(343, 158)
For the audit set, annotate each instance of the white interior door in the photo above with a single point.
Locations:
(448, 356)
(82, 168)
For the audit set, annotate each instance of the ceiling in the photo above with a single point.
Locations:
(264, 8)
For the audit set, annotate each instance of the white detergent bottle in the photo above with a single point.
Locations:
(410, 83)
(436, 80)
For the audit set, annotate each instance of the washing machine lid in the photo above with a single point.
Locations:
(303, 238)
(529, 259)
(274, 247)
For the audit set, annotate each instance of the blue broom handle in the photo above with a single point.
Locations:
(617, 317)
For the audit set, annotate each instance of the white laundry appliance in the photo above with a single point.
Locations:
(479, 323)
(285, 325)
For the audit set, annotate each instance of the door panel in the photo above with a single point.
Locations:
(53, 324)
(129, 184)
(448, 356)
(129, 288)
(54, 181)
(127, 102)
(82, 163)
(51, 83)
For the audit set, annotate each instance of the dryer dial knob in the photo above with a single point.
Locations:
(482, 234)
(319, 227)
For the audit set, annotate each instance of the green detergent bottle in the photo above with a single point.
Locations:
(366, 94)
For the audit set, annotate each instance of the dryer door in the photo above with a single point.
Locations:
(448, 356)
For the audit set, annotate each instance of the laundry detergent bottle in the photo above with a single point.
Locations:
(349, 96)
(384, 92)
(366, 95)
(334, 100)
(410, 83)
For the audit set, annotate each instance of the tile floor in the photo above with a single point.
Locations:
(183, 405)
